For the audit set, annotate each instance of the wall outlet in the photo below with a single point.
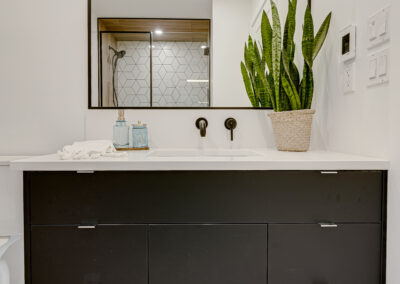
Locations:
(378, 72)
(379, 28)
(348, 78)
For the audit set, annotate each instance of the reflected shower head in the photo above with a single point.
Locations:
(119, 54)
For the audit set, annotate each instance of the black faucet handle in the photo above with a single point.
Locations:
(202, 124)
(231, 124)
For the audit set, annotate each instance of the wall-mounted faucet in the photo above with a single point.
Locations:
(202, 124)
(231, 124)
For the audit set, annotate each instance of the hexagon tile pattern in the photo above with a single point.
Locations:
(134, 74)
(174, 63)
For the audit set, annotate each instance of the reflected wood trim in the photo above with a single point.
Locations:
(173, 29)
(150, 25)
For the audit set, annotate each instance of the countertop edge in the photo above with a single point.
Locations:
(7, 160)
(201, 165)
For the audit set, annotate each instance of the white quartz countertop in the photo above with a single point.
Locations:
(266, 159)
(6, 160)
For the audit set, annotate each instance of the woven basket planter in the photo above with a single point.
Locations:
(292, 129)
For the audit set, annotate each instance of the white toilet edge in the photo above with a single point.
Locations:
(6, 242)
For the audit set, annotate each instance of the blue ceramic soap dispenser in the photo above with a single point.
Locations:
(121, 132)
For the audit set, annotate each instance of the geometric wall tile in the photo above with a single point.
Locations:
(173, 64)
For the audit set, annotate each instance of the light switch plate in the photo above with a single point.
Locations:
(348, 78)
(378, 72)
(373, 65)
(348, 43)
(379, 27)
(382, 65)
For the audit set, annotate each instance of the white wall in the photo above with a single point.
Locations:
(42, 74)
(367, 121)
(231, 20)
(172, 129)
(359, 122)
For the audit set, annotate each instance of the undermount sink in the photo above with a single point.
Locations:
(204, 153)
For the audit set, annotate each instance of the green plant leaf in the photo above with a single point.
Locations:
(286, 64)
(308, 37)
(247, 59)
(307, 87)
(263, 88)
(294, 3)
(266, 34)
(270, 87)
(285, 105)
(248, 86)
(321, 35)
(261, 91)
(295, 75)
(261, 85)
(257, 89)
(288, 84)
(289, 30)
(258, 59)
(252, 54)
(290, 92)
(276, 53)
(311, 92)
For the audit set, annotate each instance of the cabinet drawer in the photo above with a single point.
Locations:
(204, 197)
(104, 255)
(212, 254)
(304, 254)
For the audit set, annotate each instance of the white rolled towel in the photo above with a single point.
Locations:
(89, 150)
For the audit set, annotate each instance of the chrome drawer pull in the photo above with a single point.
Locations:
(85, 172)
(86, 227)
(329, 172)
(325, 225)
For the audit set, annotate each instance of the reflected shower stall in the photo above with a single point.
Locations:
(154, 63)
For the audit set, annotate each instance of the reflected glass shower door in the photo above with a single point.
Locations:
(125, 69)
(181, 69)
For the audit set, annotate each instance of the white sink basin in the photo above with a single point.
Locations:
(203, 153)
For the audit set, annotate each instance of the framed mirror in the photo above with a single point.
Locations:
(175, 54)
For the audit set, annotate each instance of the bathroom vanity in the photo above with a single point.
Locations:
(92, 222)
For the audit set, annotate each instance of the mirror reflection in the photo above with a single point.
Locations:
(154, 63)
(170, 54)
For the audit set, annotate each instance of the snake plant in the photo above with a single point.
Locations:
(271, 77)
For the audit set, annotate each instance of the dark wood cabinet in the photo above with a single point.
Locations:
(307, 254)
(205, 197)
(212, 254)
(103, 255)
(214, 227)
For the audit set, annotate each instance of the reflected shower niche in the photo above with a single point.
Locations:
(153, 63)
